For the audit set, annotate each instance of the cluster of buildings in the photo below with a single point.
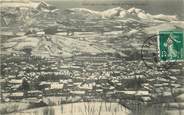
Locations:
(87, 76)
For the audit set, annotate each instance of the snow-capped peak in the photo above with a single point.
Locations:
(135, 10)
(104, 14)
(122, 13)
(84, 10)
(112, 12)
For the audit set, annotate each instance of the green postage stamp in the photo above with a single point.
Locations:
(171, 45)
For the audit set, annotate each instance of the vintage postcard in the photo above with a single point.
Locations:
(92, 57)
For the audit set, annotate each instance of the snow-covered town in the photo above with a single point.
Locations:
(52, 57)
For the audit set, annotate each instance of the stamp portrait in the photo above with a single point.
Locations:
(171, 45)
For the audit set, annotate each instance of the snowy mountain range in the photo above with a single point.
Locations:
(18, 7)
(119, 12)
(121, 23)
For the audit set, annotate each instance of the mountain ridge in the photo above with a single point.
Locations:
(123, 13)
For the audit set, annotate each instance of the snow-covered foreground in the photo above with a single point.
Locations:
(81, 108)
